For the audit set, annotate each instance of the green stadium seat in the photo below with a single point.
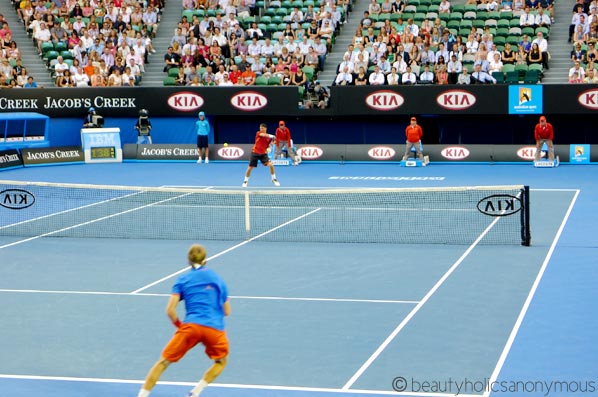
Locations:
(169, 81)
(261, 80)
(512, 77)
(274, 80)
(531, 77)
(173, 72)
(309, 72)
(499, 76)
(60, 46)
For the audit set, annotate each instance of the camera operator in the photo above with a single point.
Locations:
(144, 128)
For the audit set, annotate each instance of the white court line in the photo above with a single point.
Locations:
(412, 313)
(529, 298)
(92, 221)
(279, 298)
(227, 250)
(234, 386)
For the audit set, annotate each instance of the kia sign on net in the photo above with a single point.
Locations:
(185, 101)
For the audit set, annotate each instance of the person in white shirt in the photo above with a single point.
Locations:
(444, 7)
(527, 19)
(577, 69)
(344, 77)
(42, 35)
(481, 77)
(464, 77)
(80, 79)
(60, 66)
(472, 44)
(426, 77)
(393, 78)
(408, 77)
(254, 48)
(267, 49)
(543, 19)
(454, 68)
(543, 46)
(346, 63)
(495, 64)
(254, 31)
(400, 65)
(493, 51)
(296, 16)
(376, 77)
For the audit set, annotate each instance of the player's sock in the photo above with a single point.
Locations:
(199, 388)
(143, 393)
(273, 176)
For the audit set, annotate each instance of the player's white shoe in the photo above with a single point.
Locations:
(199, 161)
(275, 182)
(244, 184)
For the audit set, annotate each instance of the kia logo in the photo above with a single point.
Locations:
(381, 153)
(456, 100)
(499, 205)
(589, 99)
(384, 100)
(16, 199)
(185, 101)
(231, 152)
(310, 152)
(455, 153)
(527, 152)
(249, 101)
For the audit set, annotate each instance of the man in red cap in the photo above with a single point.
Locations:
(414, 135)
(284, 141)
(544, 134)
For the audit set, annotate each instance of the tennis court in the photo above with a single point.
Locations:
(85, 316)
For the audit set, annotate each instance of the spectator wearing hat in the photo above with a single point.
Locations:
(544, 134)
(283, 140)
(414, 134)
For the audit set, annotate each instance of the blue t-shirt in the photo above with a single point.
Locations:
(202, 127)
(204, 293)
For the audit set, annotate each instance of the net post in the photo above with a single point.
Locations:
(525, 226)
(247, 216)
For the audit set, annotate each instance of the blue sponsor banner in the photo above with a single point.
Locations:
(579, 154)
(525, 99)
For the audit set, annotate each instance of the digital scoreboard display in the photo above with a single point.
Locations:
(105, 152)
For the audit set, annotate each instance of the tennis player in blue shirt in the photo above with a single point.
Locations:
(206, 303)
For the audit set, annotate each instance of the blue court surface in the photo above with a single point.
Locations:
(85, 316)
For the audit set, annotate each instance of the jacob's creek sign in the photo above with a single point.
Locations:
(10, 158)
(67, 154)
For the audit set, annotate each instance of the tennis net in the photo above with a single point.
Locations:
(458, 215)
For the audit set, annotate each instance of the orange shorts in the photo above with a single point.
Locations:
(189, 335)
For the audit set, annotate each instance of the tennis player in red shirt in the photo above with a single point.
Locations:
(414, 134)
(259, 152)
(544, 134)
